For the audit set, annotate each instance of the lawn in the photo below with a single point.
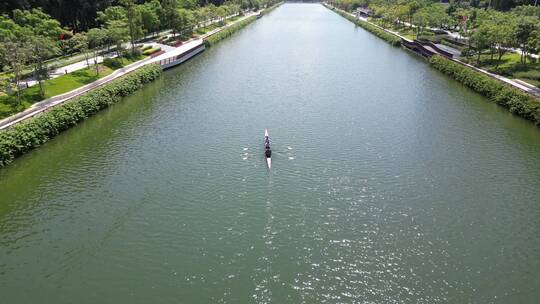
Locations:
(510, 66)
(53, 87)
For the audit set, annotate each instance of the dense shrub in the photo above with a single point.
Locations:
(151, 51)
(113, 63)
(134, 54)
(228, 31)
(516, 101)
(146, 47)
(390, 38)
(28, 135)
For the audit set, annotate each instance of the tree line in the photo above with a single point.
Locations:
(81, 14)
(28, 38)
(480, 23)
(501, 5)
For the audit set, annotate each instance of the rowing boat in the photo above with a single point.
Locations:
(268, 155)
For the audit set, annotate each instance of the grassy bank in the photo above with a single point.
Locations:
(228, 31)
(390, 38)
(28, 135)
(514, 100)
(509, 65)
(53, 87)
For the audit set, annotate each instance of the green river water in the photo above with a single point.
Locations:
(391, 183)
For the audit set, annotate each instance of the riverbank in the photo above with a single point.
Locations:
(33, 133)
(233, 28)
(517, 98)
(516, 101)
(165, 195)
(372, 28)
(166, 60)
(216, 37)
(29, 129)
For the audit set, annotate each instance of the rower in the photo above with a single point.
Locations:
(268, 152)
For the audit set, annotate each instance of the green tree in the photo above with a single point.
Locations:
(111, 13)
(526, 10)
(534, 41)
(96, 38)
(42, 48)
(117, 32)
(183, 23)
(502, 32)
(80, 44)
(221, 13)
(9, 30)
(16, 55)
(482, 40)
(421, 20)
(437, 16)
(188, 4)
(412, 8)
(134, 22)
(168, 13)
(150, 16)
(40, 23)
(525, 26)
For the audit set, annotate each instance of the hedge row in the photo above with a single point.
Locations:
(390, 38)
(28, 135)
(151, 51)
(228, 31)
(516, 101)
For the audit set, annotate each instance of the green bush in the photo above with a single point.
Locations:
(133, 55)
(228, 31)
(30, 134)
(113, 63)
(146, 47)
(518, 102)
(151, 51)
(390, 38)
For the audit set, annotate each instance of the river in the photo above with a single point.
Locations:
(390, 183)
